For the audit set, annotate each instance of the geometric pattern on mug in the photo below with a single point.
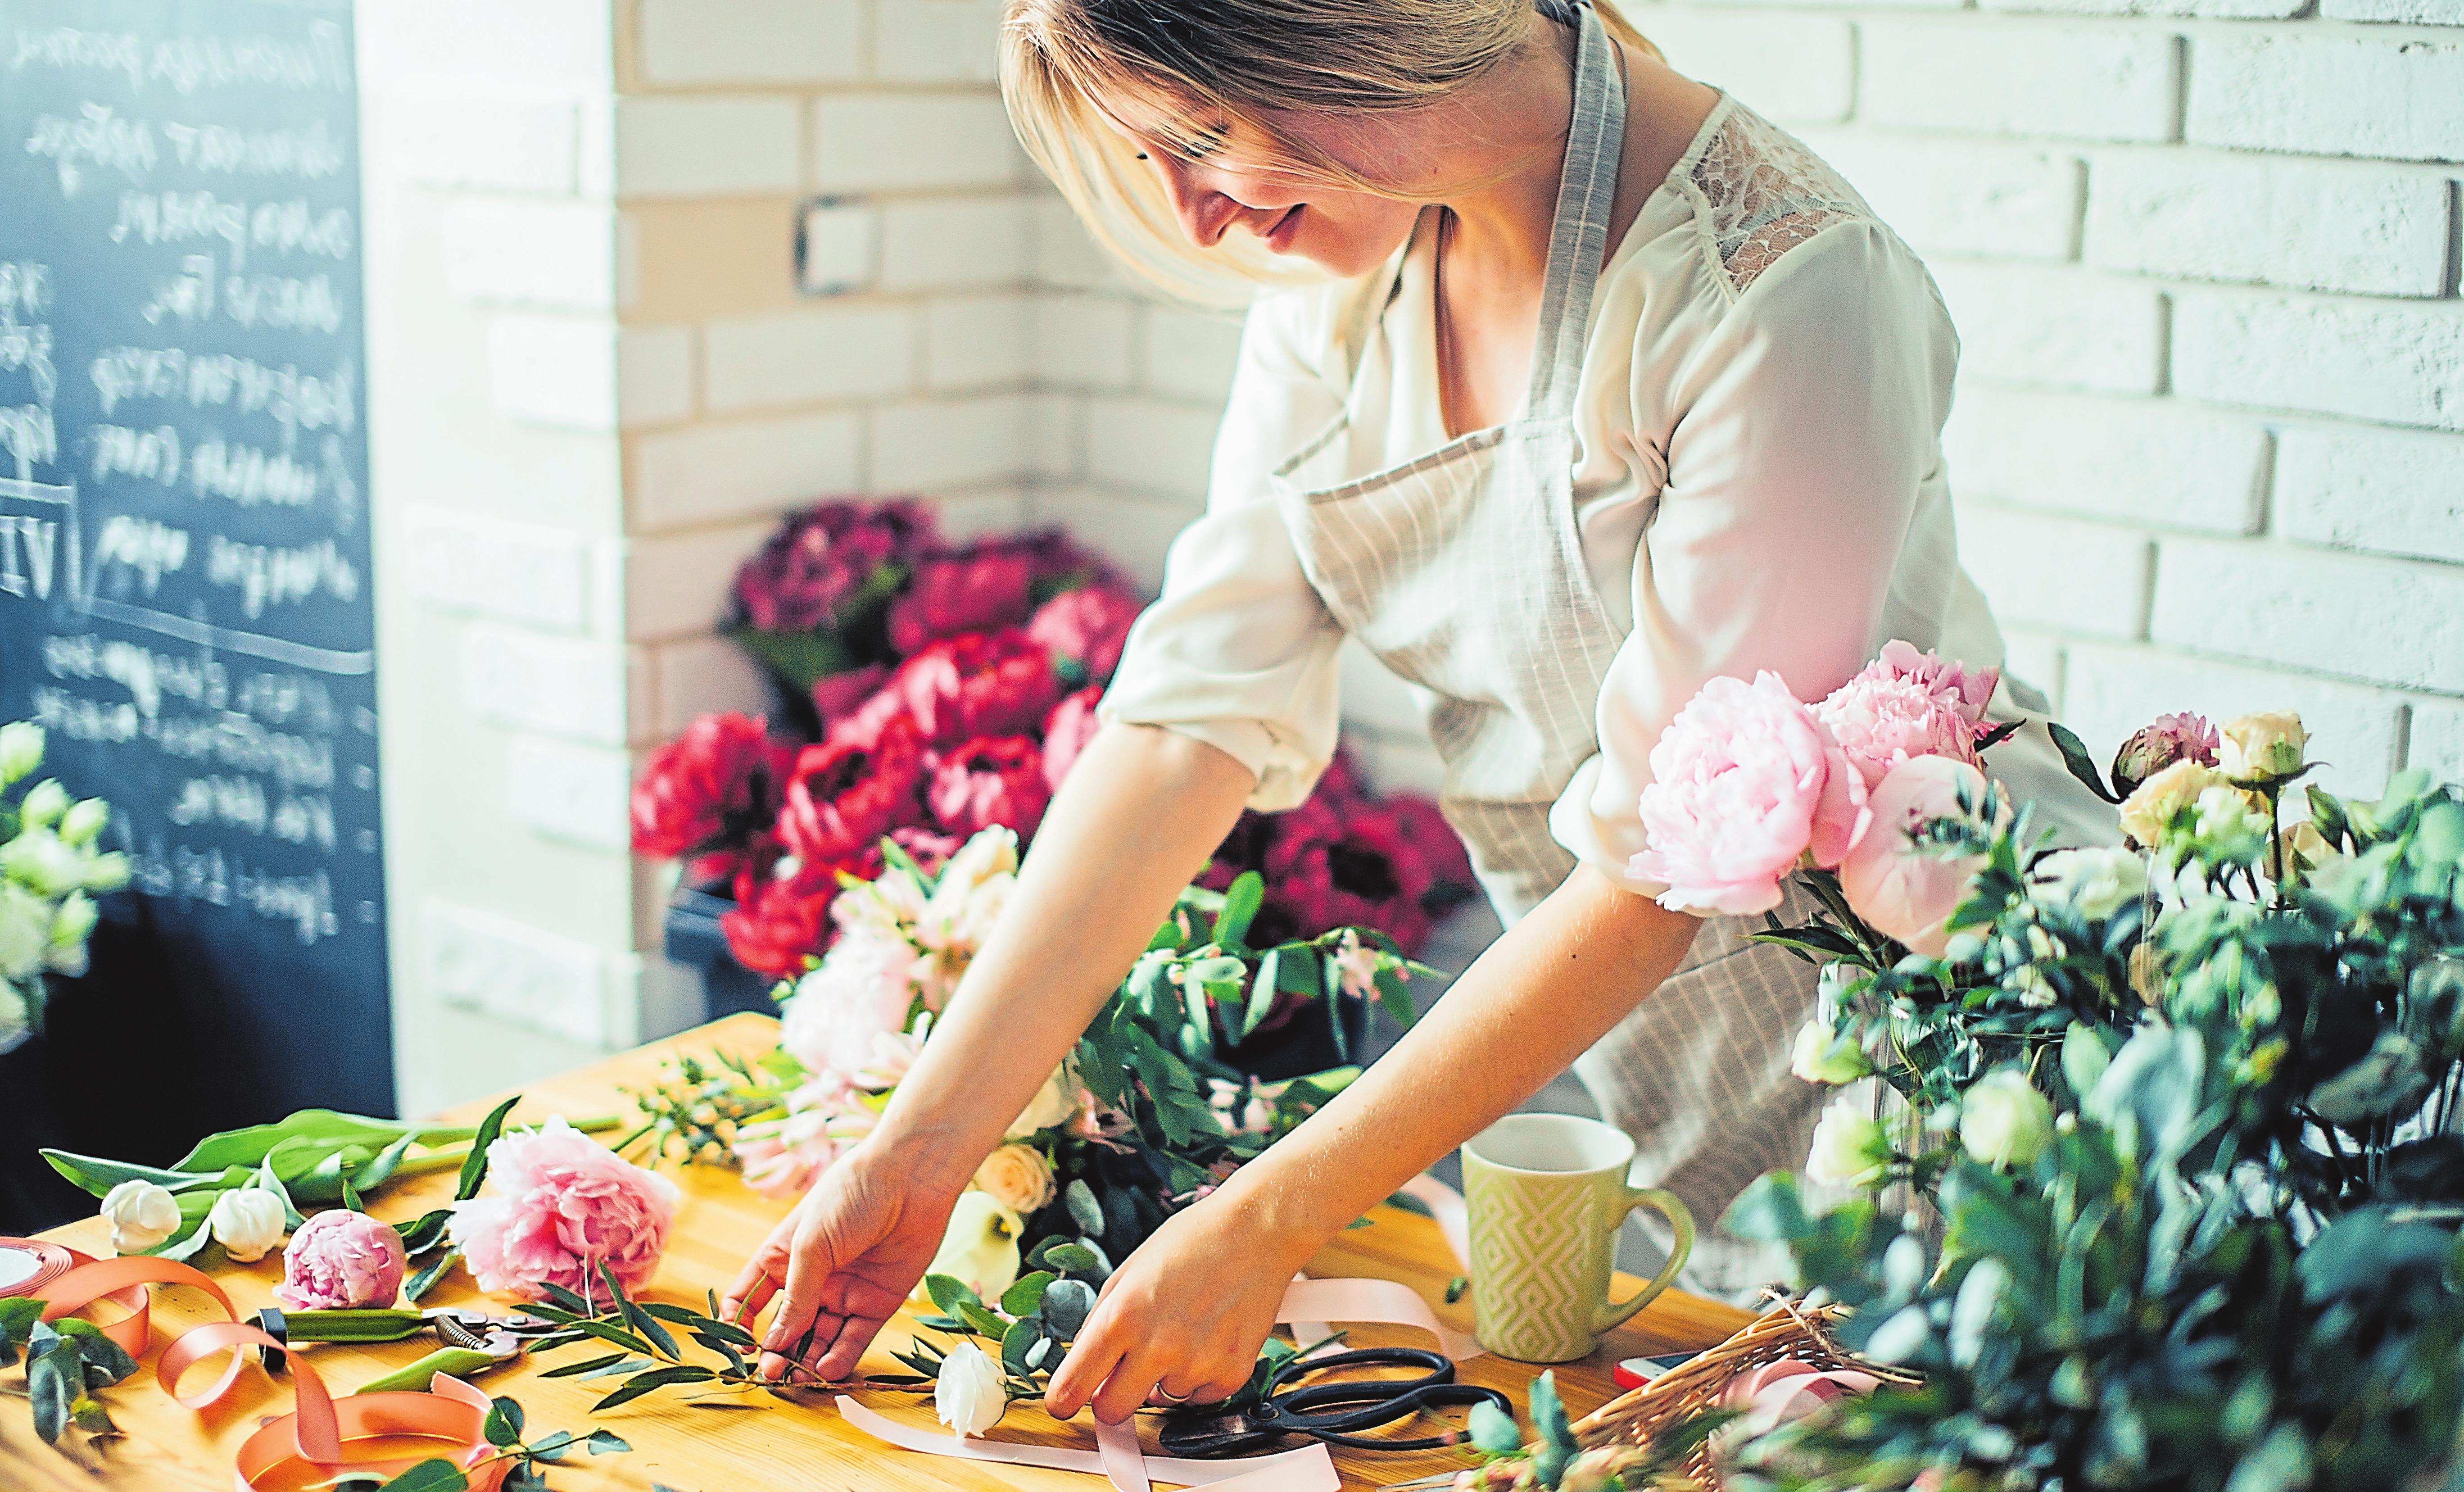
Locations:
(1531, 1261)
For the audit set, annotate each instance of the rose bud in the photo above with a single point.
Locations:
(2262, 748)
(2004, 1121)
(1849, 1148)
(341, 1260)
(968, 1395)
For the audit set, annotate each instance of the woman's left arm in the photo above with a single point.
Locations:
(1189, 1309)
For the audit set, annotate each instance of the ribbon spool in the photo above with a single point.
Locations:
(28, 1265)
(322, 1436)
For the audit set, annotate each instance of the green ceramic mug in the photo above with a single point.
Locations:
(1547, 1194)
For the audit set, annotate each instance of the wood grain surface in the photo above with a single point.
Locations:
(757, 1441)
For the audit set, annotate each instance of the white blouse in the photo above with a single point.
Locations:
(1759, 483)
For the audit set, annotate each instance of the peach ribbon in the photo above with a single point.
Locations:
(319, 1431)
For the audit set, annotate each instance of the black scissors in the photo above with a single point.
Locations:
(1337, 1413)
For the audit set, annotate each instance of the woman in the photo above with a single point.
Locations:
(1614, 389)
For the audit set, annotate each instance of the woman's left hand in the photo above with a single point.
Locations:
(1180, 1321)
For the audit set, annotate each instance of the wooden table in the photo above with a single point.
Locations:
(764, 1442)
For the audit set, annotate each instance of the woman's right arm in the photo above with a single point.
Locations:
(1141, 810)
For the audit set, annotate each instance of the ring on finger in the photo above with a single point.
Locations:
(1170, 1398)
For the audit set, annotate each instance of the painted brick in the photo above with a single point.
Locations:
(1056, 437)
(2151, 461)
(2055, 572)
(655, 375)
(2057, 328)
(2375, 359)
(947, 442)
(2436, 745)
(689, 42)
(2110, 692)
(839, 248)
(1960, 197)
(742, 469)
(936, 41)
(2418, 13)
(569, 791)
(2394, 493)
(1796, 68)
(2204, 9)
(699, 676)
(507, 251)
(2388, 621)
(708, 148)
(1153, 445)
(464, 137)
(478, 960)
(799, 356)
(2035, 658)
(2034, 80)
(1133, 530)
(569, 687)
(993, 510)
(676, 584)
(1084, 340)
(537, 44)
(518, 572)
(862, 142)
(1064, 256)
(972, 341)
(955, 244)
(553, 370)
(1190, 354)
(2368, 230)
(2329, 95)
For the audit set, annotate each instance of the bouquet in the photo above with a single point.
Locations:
(932, 691)
(2171, 1194)
(49, 872)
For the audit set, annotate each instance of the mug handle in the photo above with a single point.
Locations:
(1681, 1221)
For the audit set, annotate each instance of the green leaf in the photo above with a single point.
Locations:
(267, 1182)
(318, 1132)
(800, 659)
(504, 1425)
(1084, 1210)
(566, 1298)
(106, 1362)
(1392, 994)
(585, 1367)
(550, 1446)
(425, 1232)
(1554, 1446)
(607, 1442)
(89, 1416)
(1770, 1209)
(475, 1166)
(380, 1170)
(99, 1176)
(983, 1320)
(425, 1281)
(1015, 1343)
(1262, 992)
(186, 1247)
(54, 1380)
(949, 1293)
(2075, 757)
(429, 1475)
(649, 1382)
(1242, 900)
(1022, 1298)
(613, 1335)
(1455, 1288)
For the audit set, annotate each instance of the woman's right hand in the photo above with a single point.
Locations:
(841, 1264)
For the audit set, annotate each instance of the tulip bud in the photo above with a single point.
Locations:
(21, 751)
(86, 820)
(2003, 1120)
(141, 1215)
(45, 801)
(105, 872)
(247, 1222)
(37, 859)
(2262, 748)
(74, 923)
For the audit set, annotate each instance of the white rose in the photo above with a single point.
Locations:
(142, 1216)
(2262, 748)
(17, 1017)
(1016, 1176)
(2155, 802)
(25, 932)
(2003, 1120)
(21, 751)
(1849, 1148)
(968, 1395)
(1052, 1105)
(1824, 1056)
(988, 860)
(2094, 883)
(247, 1222)
(979, 1247)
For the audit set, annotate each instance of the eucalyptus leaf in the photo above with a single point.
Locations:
(607, 1442)
(1023, 1297)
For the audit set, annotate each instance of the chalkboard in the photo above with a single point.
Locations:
(184, 579)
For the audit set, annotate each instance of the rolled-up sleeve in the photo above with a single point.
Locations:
(1811, 418)
(1240, 652)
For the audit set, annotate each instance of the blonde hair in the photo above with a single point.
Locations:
(1242, 59)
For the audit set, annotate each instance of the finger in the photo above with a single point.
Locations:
(1128, 1385)
(747, 1293)
(810, 1263)
(846, 1349)
(1074, 1382)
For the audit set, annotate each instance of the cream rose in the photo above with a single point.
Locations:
(1849, 1147)
(2003, 1120)
(1016, 1176)
(2155, 802)
(1824, 1056)
(2262, 748)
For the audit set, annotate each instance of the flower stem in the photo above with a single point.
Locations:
(452, 1156)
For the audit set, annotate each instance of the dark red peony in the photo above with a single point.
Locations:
(984, 683)
(976, 591)
(991, 779)
(1440, 848)
(707, 795)
(846, 794)
(1333, 869)
(1067, 731)
(780, 920)
(1087, 628)
(838, 696)
(827, 563)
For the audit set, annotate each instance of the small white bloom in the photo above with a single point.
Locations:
(2262, 748)
(2003, 1120)
(1849, 1147)
(1355, 965)
(25, 932)
(1051, 1106)
(21, 751)
(142, 1216)
(247, 1222)
(17, 1017)
(968, 1395)
(44, 801)
(1824, 1056)
(38, 859)
(2095, 883)
(74, 923)
(85, 821)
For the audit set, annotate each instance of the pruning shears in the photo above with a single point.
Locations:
(472, 1339)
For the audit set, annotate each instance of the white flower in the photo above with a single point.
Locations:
(968, 1395)
(247, 1222)
(85, 821)
(38, 858)
(2094, 883)
(858, 994)
(2230, 826)
(1016, 1176)
(17, 1017)
(1824, 1056)
(1849, 1148)
(142, 1216)
(979, 1247)
(44, 801)
(1355, 965)
(25, 932)
(71, 926)
(21, 751)
(2003, 1120)
(1052, 1105)
(2262, 748)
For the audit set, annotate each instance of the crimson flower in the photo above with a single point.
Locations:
(1086, 627)
(845, 794)
(991, 779)
(982, 684)
(1067, 731)
(780, 920)
(820, 561)
(973, 591)
(1434, 839)
(1354, 868)
(707, 795)
(837, 696)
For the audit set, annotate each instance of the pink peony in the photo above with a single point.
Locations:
(861, 991)
(1745, 783)
(1970, 689)
(991, 779)
(341, 1260)
(1067, 731)
(1087, 626)
(564, 1206)
(1907, 704)
(2158, 744)
(1903, 887)
(838, 696)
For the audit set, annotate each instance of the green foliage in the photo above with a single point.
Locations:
(529, 1461)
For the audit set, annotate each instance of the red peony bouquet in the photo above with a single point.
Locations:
(929, 690)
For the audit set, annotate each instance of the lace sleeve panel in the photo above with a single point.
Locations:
(1763, 194)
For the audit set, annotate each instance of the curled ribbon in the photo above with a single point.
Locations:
(319, 1431)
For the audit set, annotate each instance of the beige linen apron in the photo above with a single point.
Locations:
(1462, 571)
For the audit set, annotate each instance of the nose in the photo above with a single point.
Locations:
(1204, 213)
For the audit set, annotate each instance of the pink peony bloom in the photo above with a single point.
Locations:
(1908, 704)
(1067, 731)
(1087, 626)
(861, 991)
(991, 779)
(1745, 783)
(1970, 690)
(564, 1206)
(2158, 744)
(341, 1260)
(1904, 888)
(981, 590)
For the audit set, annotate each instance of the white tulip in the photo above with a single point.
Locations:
(247, 1222)
(74, 922)
(968, 1395)
(142, 1216)
(2003, 1120)
(21, 751)
(44, 801)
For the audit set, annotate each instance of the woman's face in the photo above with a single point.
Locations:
(1237, 178)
